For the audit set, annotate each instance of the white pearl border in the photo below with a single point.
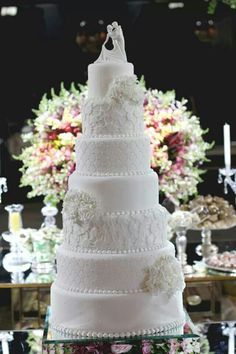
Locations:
(94, 334)
(109, 136)
(103, 291)
(153, 210)
(108, 251)
(120, 174)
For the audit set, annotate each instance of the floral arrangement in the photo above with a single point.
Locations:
(183, 219)
(177, 144)
(42, 243)
(48, 156)
(213, 4)
(176, 137)
(34, 341)
(188, 345)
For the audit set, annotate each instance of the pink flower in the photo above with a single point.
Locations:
(146, 347)
(120, 348)
(187, 328)
(93, 349)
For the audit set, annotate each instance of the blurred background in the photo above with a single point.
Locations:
(174, 44)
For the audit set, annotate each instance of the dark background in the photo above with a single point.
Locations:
(183, 49)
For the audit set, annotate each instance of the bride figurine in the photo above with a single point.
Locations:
(117, 53)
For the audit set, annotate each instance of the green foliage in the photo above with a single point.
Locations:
(213, 5)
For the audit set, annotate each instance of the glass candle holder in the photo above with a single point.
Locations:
(14, 217)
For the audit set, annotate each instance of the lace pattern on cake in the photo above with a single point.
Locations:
(118, 155)
(120, 232)
(120, 111)
(165, 275)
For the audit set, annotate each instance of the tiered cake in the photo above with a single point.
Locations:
(117, 274)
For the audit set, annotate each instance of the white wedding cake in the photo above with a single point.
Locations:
(117, 275)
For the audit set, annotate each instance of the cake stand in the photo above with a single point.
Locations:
(137, 344)
(207, 249)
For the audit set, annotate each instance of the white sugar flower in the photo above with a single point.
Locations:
(164, 276)
(79, 206)
(127, 87)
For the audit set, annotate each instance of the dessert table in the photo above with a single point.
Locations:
(201, 296)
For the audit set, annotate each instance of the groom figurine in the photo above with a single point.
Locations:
(117, 54)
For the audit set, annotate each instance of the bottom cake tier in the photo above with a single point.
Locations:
(114, 315)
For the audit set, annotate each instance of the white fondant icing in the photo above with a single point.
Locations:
(111, 313)
(121, 231)
(101, 75)
(111, 192)
(112, 155)
(112, 272)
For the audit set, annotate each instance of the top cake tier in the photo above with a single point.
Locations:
(114, 105)
(100, 76)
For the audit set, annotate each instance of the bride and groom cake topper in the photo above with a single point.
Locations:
(117, 53)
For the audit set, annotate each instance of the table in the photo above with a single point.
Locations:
(207, 286)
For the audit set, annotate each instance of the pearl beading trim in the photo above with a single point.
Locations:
(103, 291)
(165, 328)
(117, 136)
(131, 173)
(127, 212)
(138, 250)
(130, 212)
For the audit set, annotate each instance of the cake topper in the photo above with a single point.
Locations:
(117, 53)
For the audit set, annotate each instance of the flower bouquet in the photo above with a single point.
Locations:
(177, 144)
(48, 156)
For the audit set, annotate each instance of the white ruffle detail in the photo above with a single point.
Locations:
(120, 112)
(165, 275)
(79, 207)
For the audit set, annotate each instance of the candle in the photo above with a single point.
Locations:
(15, 223)
(227, 151)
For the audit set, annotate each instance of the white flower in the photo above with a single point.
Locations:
(79, 206)
(127, 87)
(164, 276)
(67, 138)
(185, 219)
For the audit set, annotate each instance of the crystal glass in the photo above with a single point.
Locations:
(14, 226)
(180, 222)
(16, 264)
(181, 245)
(14, 217)
(49, 212)
(206, 248)
(18, 259)
(45, 241)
